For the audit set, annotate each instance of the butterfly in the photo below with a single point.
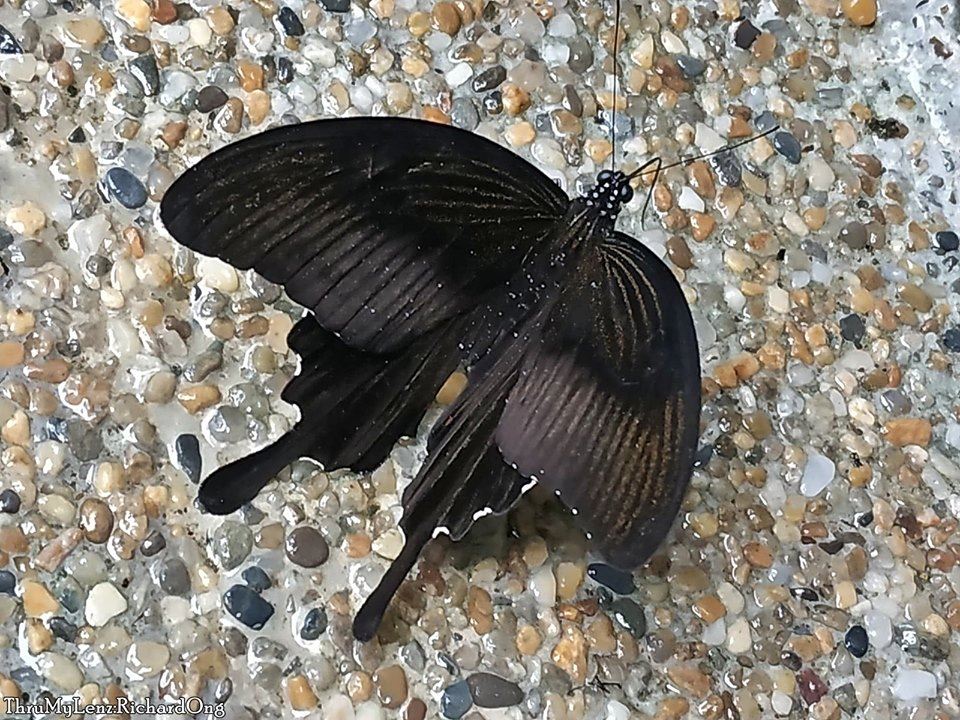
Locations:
(417, 249)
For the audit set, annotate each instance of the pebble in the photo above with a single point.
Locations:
(860, 12)
(210, 98)
(629, 615)
(314, 624)
(818, 473)
(247, 606)
(8, 43)
(125, 188)
(173, 577)
(947, 241)
(290, 22)
(187, 448)
(492, 691)
(9, 502)
(256, 579)
(788, 146)
(8, 582)
(391, 686)
(104, 602)
(911, 685)
(306, 547)
(856, 641)
(456, 700)
(231, 543)
(745, 34)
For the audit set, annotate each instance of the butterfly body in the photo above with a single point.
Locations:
(417, 249)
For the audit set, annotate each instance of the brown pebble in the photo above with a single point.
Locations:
(416, 710)
(860, 12)
(230, 118)
(96, 520)
(37, 600)
(908, 431)
(306, 547)
(679, 252)
(445, 18)
(300, 693)
(391, 686)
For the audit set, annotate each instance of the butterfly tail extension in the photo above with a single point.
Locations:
(365, 402)
(232, 486)
(462, 478)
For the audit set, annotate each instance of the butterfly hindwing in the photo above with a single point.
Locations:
(383, 227)
(606, 409)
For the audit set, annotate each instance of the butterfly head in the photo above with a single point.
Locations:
(611, 192)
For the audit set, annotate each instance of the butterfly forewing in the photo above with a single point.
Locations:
(384, 228)
(606, 409)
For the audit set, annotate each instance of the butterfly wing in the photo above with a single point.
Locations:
(383, 227)
(606, 409)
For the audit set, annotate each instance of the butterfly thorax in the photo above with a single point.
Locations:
(611, 192)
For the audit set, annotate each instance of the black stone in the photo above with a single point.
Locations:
(247, 606)
(125, 188)
(620, 581)
(9, 501)
(629, 615)
(788, 146)
(951, 339)
(491, 691)
(285, 71)
(856, 641)
(188, 456)
(489, 79)
(153, 544)
(765, 121)
(745, 34)
(948, 240)
(290, 22)
(853, 328)
(210, 98)
(336, 5)
(728, 168)
(77, 136)
(314, 624)
(887, 128)
(144, 69)
(493, 103)
(456, 701)
(690, 66)
(8, 43)
(8, 582)
(256, 579)
(63, 629)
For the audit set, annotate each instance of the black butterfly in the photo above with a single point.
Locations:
(417, 249)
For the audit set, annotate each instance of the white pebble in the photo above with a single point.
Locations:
(879, 629)
(103, 603)
(370, 711)
(389, 544)
(689, 200)
(778, 299)
(715, 633)
(616, 710)
(707, 139)
(819, 173)
(781, 702)
(562, 26)
(200, 32)
(912, 685)
(338, 707)
(147, 658)
(458, 74)
(543, 585)
(18, 68)
(817, 474)
(738, 636)
(217, 275)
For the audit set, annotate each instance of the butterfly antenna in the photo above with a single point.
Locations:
(642, 170)
(616, 75)
(656, 166)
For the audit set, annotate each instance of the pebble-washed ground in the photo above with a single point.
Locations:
(815, 568)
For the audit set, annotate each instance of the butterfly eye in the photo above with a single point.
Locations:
(605, 176)
(626, 193)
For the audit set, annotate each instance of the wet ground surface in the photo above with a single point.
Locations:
(815, 568)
